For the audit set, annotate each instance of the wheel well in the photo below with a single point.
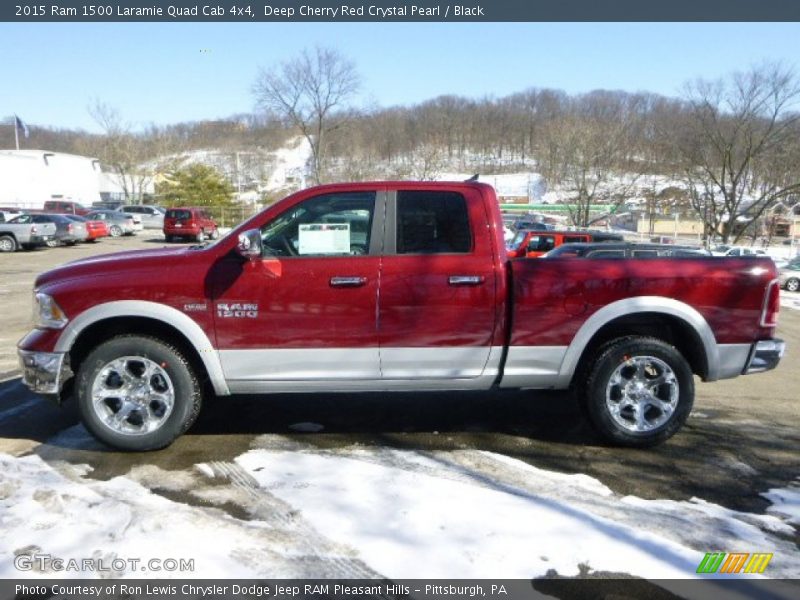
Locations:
(668, 328)
(104, 330)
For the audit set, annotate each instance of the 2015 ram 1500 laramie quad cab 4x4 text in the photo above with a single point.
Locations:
(394, 286)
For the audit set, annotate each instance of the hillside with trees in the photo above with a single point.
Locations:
(728, 150)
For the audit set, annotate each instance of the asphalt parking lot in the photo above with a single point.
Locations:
(741, 440)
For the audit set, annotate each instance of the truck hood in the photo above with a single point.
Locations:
(116, 263)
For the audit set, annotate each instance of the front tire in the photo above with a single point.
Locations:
(200, 237)
(115, 231)
(8, 243)
(639, 391)
(137, 393)
(793, 284)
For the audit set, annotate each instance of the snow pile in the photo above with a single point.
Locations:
(422, 517)
(290, 165)
(785, 502)
(292, 510)
(44, 512)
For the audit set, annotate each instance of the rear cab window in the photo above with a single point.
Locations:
(432, 222)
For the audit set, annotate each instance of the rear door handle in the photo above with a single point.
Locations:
(466, 279)
(348, 281)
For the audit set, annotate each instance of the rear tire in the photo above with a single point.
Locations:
(793, 284)
(638, 392)
(137, 393)
(214, 234)
(200, 237)
(8, 243)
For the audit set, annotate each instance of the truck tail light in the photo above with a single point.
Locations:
(772, 304)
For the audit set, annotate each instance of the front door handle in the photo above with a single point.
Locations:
(466, 279)
(348, 281)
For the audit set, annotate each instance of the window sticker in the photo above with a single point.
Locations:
(324, 238)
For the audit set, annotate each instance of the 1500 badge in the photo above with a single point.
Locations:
(236, 310)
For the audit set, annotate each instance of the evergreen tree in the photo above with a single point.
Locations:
(196, 185)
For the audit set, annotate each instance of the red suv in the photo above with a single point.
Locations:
(188, 222)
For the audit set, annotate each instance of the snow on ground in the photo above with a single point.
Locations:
(785, 502)
(476, 514)
(290, 164)
(47, 512)
(369, 512)
(790, 299)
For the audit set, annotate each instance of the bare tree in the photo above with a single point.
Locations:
(738, 146)
(310, 91)
(589, 153)
(123, 151)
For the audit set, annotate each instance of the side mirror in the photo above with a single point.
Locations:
(249, 245)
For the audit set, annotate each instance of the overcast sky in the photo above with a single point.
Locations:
(170, 72)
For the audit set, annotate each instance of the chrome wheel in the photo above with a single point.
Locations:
(642, 394)
(792, 285)
(132, 395)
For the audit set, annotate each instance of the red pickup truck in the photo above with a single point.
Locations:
(393, 286)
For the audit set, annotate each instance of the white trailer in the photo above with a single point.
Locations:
(28, 178)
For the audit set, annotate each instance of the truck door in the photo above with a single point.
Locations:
(437, 295)
(307, 311)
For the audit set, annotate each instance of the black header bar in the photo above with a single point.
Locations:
(282, 11)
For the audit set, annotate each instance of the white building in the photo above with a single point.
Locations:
(30, 177)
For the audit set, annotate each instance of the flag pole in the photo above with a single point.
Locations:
(16, 132)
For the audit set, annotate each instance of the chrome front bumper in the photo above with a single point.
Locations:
(764, 355)
(44, 372)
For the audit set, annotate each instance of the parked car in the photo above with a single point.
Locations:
(68, 232)
(24, 234)
(95, 229)
(286, 304)
(107, 204)
(537, 243)
(789, 276)
(118, 223)
(152, 217)
(189, 222)
(625, 250)
(726, 250)
(531, 243)
(532, 226)
(65, 207)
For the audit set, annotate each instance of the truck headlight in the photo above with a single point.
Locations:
(47, 314)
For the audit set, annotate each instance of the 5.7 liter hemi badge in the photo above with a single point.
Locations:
(237, 310)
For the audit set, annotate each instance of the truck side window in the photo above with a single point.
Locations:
(337, 224)
(432, 223)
